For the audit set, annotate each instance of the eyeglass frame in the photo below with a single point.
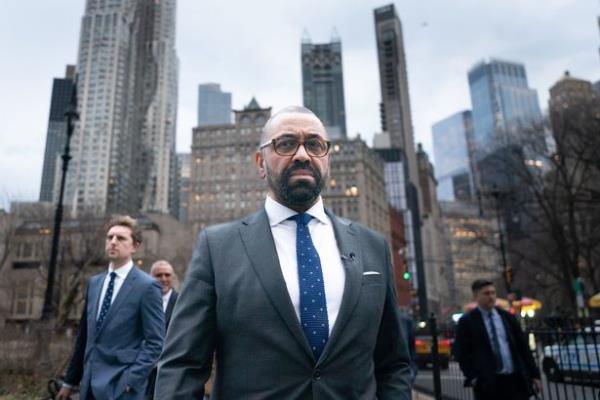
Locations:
(300, 143)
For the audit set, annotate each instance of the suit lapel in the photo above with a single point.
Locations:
(170, 306)
(95, 290)
(350, 251)
(121, 296)
(259, 244)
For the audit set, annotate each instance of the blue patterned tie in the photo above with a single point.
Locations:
(313, 305)
(107, 300)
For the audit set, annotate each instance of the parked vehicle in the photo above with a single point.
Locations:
(423, 345)
(575, 358)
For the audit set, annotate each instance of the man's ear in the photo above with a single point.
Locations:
(260, 164)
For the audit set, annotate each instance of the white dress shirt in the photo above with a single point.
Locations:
(165, 299)
(323, 237)
(119, 279)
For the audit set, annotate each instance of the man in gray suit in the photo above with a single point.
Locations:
(295, 302)
(122, 327)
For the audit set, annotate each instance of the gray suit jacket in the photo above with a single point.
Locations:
(234, 302)
(127, 345)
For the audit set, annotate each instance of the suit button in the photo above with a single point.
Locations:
(316, 375)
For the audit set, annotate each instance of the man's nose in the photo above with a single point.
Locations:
(301, 153)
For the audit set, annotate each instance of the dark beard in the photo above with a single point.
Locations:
(300, 194)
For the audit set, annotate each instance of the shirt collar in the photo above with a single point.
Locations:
(277, 212)
(485, 313)
(122, 271)
(168, 294)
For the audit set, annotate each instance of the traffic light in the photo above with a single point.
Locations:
(406, 276)
(508, 273)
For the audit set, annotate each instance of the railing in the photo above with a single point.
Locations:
(567, 352)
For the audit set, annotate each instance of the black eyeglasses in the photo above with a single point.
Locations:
(288, 145)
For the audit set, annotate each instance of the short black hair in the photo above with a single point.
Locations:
(480, 283)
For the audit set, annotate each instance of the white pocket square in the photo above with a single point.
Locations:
(371, 273)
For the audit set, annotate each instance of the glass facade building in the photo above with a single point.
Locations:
(323, 84)
(451, 148)
(503, 105)
(62, 90)
(214, 106)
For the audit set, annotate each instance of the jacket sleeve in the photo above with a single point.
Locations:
(186, 362)
(75, 369)
(392, 360)
(523, 348)
(153, 330)
(463, 349)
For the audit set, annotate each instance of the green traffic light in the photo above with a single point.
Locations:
(406, 276)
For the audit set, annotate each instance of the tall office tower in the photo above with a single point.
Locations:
(184, 161)
(434, 244)
(395, 100)
(62, 89)
(504, 107)
(451, 139)
(396, 123)
(124, 146)
(323, 84)
(214, 106)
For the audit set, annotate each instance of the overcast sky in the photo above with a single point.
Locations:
(252, 48)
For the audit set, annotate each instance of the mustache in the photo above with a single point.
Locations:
(299, 165)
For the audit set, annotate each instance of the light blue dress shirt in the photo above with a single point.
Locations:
(508, 367)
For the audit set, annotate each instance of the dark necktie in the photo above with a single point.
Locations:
(495, 344)
(107, 300)
(313, 305)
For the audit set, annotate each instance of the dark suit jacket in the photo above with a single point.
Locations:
(234, 301)
(168, 313)
(473, 350)
(122, 352)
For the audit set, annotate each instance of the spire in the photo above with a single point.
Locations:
(253, 105)
(335, 36)
(305, 37)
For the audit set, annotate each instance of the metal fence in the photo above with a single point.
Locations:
(567, 352)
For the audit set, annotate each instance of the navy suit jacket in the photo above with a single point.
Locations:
(124, 349)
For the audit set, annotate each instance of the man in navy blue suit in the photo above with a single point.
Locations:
(122, 328)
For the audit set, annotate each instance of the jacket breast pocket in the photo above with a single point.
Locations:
(372, 279)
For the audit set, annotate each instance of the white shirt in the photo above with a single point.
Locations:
(119, 279)
(165, 298)
(323, 237)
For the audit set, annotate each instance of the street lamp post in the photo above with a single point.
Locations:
(506, 270)
(70, 115)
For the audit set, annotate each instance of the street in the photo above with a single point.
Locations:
(452, 387)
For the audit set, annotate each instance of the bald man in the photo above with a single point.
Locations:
(295, 302)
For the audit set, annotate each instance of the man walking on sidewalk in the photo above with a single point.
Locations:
(492, 351)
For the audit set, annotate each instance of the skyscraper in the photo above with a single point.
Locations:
(395, 100)
(504, 107)
(396, 123)
(451, 139)
(62, 89)
(323, 84)
(124, 145)
(214, 106)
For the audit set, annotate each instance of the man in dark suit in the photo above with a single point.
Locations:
(122, 327)
(492, 350)
(163, 272)
(296, 302)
